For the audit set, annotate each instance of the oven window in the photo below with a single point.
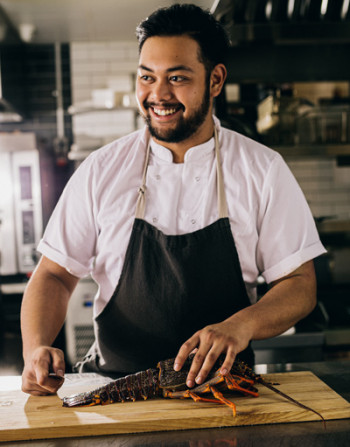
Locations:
(25, 177)
(28, 227)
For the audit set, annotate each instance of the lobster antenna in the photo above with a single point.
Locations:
(305, 407)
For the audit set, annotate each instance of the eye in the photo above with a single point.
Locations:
(145, 78)
(177, 78)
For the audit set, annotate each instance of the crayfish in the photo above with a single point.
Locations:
(164, 381)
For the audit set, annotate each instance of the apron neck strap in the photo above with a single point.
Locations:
(141, 200)
(222, 205)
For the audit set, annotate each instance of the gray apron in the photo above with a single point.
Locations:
(170, 287)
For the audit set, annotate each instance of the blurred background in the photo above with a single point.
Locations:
(67, 74)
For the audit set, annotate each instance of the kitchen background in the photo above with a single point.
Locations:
(67, 80)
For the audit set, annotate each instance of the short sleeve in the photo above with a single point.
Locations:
(70, 236)
(287, 232)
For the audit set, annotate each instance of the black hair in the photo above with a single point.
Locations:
(191, 20)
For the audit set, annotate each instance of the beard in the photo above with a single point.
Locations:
(185, 127)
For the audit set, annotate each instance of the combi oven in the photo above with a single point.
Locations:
(20, 203)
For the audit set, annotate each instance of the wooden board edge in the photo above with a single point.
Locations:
(196, 422)
(199, 421)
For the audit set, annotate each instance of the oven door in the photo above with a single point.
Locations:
(20, 211)
(8, 252)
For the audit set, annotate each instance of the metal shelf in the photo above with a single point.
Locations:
(314, 150)
(76, 109)
(292, 33)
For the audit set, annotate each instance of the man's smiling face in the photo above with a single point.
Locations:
(172, 89)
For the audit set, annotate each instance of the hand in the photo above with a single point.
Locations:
(35, 377)
(230, 337)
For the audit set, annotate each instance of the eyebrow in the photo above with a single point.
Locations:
(169, 70)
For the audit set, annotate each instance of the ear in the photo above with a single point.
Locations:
(217, 79)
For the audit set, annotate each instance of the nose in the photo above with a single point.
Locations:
(161, 91)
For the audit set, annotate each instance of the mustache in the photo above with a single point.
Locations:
(147, 105)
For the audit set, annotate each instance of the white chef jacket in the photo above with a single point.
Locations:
(271, 223)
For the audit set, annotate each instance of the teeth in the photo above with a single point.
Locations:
(164, 112)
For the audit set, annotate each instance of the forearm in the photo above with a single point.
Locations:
(44, 305)
(287, 302)
(43, 312)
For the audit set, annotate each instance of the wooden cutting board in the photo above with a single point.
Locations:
(24, 417)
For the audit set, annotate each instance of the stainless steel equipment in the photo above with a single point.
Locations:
(324, 125)
(79, 330)
(20, 203)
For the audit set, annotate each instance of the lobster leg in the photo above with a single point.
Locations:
(219, 398)
(223, 400)
(234, 384)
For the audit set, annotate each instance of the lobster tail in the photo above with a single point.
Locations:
(142, 385)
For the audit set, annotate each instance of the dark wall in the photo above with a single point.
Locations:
(304, 62)
(29, 84)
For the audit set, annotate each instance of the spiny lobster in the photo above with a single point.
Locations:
(165, 381)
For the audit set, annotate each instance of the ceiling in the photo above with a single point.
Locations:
(77, 20)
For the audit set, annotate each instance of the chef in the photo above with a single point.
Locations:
(175, 223)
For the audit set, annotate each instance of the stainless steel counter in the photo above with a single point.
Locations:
(336, 374)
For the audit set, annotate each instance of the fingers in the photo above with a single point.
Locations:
(36, 378)
(202, 364)
(50, 386)
(185, 350)
(58, 364)
(228, 362)
(204, 361)
(212, 341)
